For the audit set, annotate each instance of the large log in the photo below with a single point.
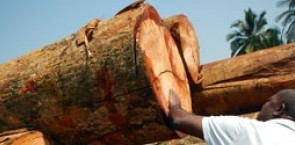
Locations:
(75, 98)
(242, 84)
(106, 98)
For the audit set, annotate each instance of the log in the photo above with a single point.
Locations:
(242, 84)
(165, 60)
(22, 137)
(106, 98)
(79, 99)
(165, 68)
(186, 39)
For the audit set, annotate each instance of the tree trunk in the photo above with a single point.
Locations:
(242, 84)
(106, 98)
(78, 99)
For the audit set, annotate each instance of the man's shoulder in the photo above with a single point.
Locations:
(283, 122)
(231, 122)
(241, 130)
(230, 118)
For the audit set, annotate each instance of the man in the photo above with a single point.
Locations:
(275, 124)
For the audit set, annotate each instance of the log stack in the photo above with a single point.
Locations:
(106, 97)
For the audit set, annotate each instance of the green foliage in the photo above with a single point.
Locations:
(251, 35)
(287, 19)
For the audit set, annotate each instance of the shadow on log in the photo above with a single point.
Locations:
(106, 98)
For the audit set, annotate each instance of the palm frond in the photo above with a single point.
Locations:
(270, 38)
(290, 32)
(240, 52)
(261, 22)
(286, 17)
(234, 34)
(282, 16)
(236, 46)
(283, 3)
(237, 51)
(238, 24)
(250, 19)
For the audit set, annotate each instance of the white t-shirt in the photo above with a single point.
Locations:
(233, 130)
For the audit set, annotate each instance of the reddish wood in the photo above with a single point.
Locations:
(186, 39)
(163, 62)
(22, 137)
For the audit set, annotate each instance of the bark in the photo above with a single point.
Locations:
(79, 99)
(242, 84)
(106, 98)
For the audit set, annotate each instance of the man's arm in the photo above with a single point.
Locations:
(183, 121)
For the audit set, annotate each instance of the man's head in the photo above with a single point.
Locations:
(280, 105)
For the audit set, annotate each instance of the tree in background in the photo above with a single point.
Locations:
(287, 18)
(250, 35)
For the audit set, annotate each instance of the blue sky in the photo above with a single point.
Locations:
(27, 25)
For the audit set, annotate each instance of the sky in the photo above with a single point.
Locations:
(27, 25)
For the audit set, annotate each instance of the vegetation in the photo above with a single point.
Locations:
(251, 35)
(287, 19)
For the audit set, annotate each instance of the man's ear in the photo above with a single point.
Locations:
(280, 110)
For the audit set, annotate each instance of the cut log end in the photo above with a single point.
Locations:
(186, 39)
(163, 62)
(22, 137)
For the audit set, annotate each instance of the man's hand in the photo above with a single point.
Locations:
(174, 101)
(174, 104)
(182, 120)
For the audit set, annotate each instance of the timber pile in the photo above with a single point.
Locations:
(98, 92)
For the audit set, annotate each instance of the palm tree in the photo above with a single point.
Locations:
(287, 19)
(250, 35)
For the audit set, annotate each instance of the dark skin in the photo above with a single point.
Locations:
(280, 105)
